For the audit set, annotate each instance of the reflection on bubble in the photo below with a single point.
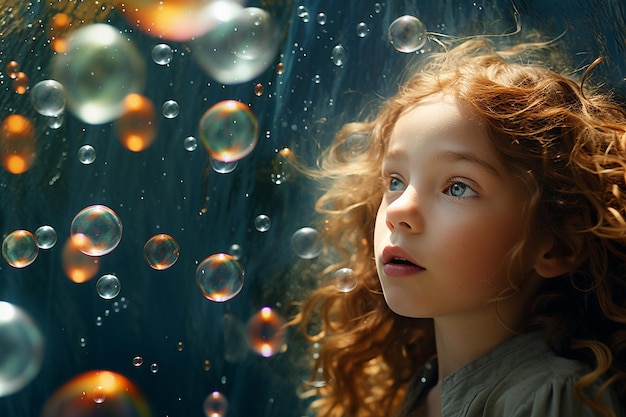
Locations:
(222, 167)
(240, 47)
(215, 405)
(86, 154)
(266, 334)
(96, 230)
(262, 223)
(137, 126)
(17, 143)
(220, 277)
(21, 349)
(108, 286)
(162, 54)
(161, 251)
(345, 279)
(77, 266)
(407, 34)
(361, 30)
(97, 393)
(338, 55)
(102, 67)
(19, 248)
(306, 242)
(229, 130)
(170, 109)
(46, 237)
(48, 98)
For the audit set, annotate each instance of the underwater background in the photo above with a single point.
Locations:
(97, 318)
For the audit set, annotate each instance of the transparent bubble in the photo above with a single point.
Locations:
(102, 67)
(229, 130)
(137, 126)
(161, 251)
(170, 109)
(96, 230)
(99, 321)
(377, 8)
(236, 251)
(215, 405)
(361, 30)
(97, 393)
(306, 242)
(345, 279)
(86, 154)
(48, 98)
(137, 361)
(108, 286)
(18, 142)
(220, 277)
(262, 223)
(190, 143)
(154, 368)
(162, 54)
(222, 167)
(266, 334)
(338, 55)
(19, 248)
(46, 237)
(240, 48)
(321, 19)
(407, 34)
(302, 11)
(317, 79)
(21, 347)
(55, 122)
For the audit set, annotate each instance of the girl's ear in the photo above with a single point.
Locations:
(553, 259)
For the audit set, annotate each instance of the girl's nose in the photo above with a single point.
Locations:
(405, 212)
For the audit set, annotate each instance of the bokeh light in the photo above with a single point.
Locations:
(21, 348)
(48, 97)
(96, 230)
(220, 277)
(46, 237)
(19, 248)
(229, 130)
(17, 143)
(100, 68)
(215, 405)
(407, 34)
(108, 286)
(266, 333)
(137, 126)
(161, 251)
(306, 242)
(77, 266)
(96, 394)
(59, 26)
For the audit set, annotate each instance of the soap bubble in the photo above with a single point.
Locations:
(96, 230)
(321, 19)
(170, 109)
(108, 286)
(97, 393)
(86, 154)
(266, 334)
(222, 167)
(190, 143)
(215, 405)
(137, 361)
(338, 55)
(345, 279)
(17, 143)
(48, 98)
(306, 242)
(20, 83)
(21, 345)
(220, 277)
(236, 251)
(19, 248)
(258, 89)
(361, 30)
(229, 130)
(161, 251)
(407, 34)
(46, 237)
(154, 367)
(137, 126)
(162, 54)
(12, 68)
(102, 67)
(262, 223)
(240, 48)
(77, 266)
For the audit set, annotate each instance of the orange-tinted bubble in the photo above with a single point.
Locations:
(137, 126)
(77, 266)
(19, 248)
(280, 68)
(96, 230)
(59, 26)
(266, 333)
(20, 83)
(12, 69)
(215, 405)
(220, 277)
(161, 251)
(258, 89)
(97, 393)
(17, 143)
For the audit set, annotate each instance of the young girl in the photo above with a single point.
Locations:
(484, 213)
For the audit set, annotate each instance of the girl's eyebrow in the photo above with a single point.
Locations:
(455, 156)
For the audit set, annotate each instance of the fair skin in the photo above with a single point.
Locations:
(449, 216)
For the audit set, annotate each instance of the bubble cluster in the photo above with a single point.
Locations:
(306, 242)
(161, 251)
(220, 277)
(48, 98)
(407, 34)
(108, 286)
(19, 248)
(266, 334)
(96, 230)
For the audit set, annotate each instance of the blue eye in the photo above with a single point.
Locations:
(459, 189)
(396, 184)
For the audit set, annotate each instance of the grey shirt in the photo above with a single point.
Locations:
(520, 378)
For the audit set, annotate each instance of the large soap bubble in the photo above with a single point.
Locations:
(220, 277)
(100, 68)
(19, 249)
(96, 230)
(407, 34)
(21, 349)
(239, 48)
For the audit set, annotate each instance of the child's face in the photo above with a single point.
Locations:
(449, 216)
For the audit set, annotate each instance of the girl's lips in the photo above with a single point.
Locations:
(401, 270)
(397, 263)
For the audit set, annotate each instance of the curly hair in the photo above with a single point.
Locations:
(565, 141)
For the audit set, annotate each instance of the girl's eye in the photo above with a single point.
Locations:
(460, 189)
(396, 184)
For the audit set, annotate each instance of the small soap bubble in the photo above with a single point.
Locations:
(20, 83)
(170, 109)
(161, 251)
(190, 143)
(317, 79)
(302, 11)
(55, 122)
(215, 405)
(83, 342)
(306, 242)
(321, 19)
(154, 368)
(220, 277)
(235, 251)
(162, 54)
(407, 34)
(137, 361)
(262, 223)
(46, 237)
(266, 334)
(99, 394)
(377, 8)
(48, 98)
(12, 69)
(345, 279)
(280, 68)
(108, 286)
(338, 55)
(19, 248)
(361, 30)
(86, 154)
(258, 89)
(99, 321)
(179, 346)
(222, 167)
(96, 230)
